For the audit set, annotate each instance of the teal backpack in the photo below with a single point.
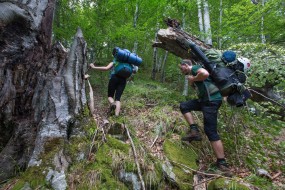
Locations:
(123, 70)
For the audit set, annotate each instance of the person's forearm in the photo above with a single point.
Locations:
(100, 68)
(200, 77)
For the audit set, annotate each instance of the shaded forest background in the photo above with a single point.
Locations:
(252, 28)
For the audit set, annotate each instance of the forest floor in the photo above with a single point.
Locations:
(152, 130)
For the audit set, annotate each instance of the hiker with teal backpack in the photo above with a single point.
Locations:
(209, 102)
(122, 67)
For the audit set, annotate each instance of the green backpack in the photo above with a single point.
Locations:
(123, 70)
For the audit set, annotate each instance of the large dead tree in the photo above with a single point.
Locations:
(42, 85)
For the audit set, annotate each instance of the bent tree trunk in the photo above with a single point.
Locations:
(42, 87)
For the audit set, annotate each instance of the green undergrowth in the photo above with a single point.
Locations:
(249, 138)
(99, 172)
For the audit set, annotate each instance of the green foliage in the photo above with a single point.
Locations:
(261, 182)
(251, 139)
(266, 63)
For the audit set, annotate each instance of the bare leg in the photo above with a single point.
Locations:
(218, 148)
(189, 118)
(111, 100)
(118, 108)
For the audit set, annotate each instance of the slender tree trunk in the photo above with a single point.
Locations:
(162, 79)
(207, 23)
(185, 88)
(136, 15)
(220, 25)
(154, 65)
(263, 40)
(200, 18)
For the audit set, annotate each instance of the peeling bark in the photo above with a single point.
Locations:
(42, 86)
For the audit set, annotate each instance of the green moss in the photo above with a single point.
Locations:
(176, 152)
(84, 113)
(51, 147)
(109, 158)
(29, 177)
(181, 155)
(117, 144)
(226, 185)
(76, 145)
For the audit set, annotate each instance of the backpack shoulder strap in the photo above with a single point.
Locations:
(211, 88)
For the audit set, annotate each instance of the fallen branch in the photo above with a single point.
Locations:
(91, 98)
(196, 171)
(250, 89)
(135, 156)
(203, 182)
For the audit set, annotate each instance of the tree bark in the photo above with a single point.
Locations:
(154, 65)
(207, 23)
(42, 86)
(200, 17)
(175, 40)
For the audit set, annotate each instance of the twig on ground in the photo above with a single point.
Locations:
(154, 141)
(204, 181)
(199, 172)
(135, 156)
(276, 175)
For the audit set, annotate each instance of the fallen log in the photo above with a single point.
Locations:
(175, 40)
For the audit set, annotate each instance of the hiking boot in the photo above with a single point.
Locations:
(194, 135)
(112, 108)
(224, 169)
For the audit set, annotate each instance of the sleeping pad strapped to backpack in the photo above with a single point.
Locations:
(124, 62)
(226, 78)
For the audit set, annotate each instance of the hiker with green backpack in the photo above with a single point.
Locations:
(209, 104)
(220, 75)
(122, 67)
